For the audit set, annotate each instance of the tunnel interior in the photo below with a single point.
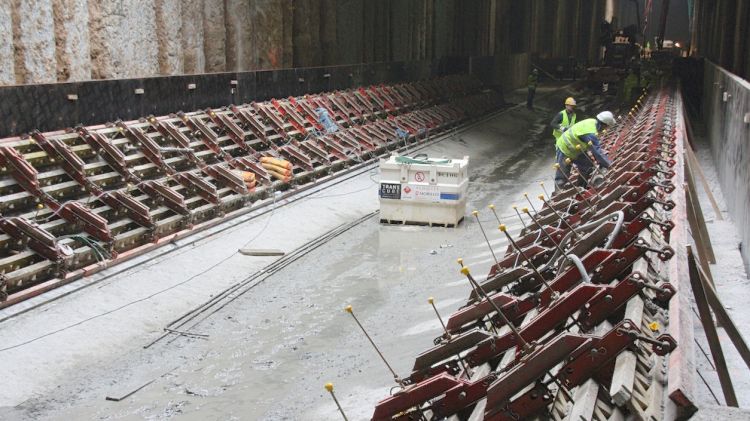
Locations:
(217, 209)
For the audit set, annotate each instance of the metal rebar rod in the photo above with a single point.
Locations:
(515, 208)
(567, 178)
(549, 237)
(465, 270)
(552, 208)
(448, 336)
(329, 388)
(525, 257)
(484, 234)
(349, 310)
(541, 183)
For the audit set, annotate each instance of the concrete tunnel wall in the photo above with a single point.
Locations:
(77, 40)
(729, 136)
(721, 33)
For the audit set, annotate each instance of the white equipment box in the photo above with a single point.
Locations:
(423, 190)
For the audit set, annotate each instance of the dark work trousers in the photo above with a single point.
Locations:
(530, 98)
(585, 167)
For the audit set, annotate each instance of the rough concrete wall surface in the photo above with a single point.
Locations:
(349, 30)
(69, 40)
(168, 34)
(34, 47)
(400, 41)
(328, 31)
(267, 47)
(513, 71)
(72, 40)
(722, 34)
(306, 33)
(729, 136)
(444, 27)
(215, 35)
(123, 38)
(194, 59)
(7, 67)
(239, 37)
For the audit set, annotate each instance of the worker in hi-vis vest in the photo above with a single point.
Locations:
(574, 143)
(564, 119)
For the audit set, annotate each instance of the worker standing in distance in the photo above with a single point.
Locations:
(564, 119)
(532, 82)
(573, 144)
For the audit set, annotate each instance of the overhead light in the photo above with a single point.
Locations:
(677, 45)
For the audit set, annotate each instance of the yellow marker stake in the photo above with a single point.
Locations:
(515, 208)
(541, 183)
(541, 228)
(329, 388)
(448, 336)
(523, 255)
(484, 234)
(560, 217)
(526, 196)
(481, 293)
(39, 208)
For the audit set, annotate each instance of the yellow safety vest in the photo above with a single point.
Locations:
(572, 137)
(565, 123)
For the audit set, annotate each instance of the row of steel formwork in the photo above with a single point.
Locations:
(586, 314)
(78, 200)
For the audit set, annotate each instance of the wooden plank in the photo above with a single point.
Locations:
(698, 224)
(723, 317)
(697, 236)
(710, 329)
(261, 252)
(704, 182)
(584, 401)
(681, 374)
(623, 378)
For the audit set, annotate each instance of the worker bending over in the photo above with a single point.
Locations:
(564, 119)
(573, 144)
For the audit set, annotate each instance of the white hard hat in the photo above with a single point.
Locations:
(606, 117)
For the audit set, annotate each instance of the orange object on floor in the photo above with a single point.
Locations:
(280, 170)
(275, 161)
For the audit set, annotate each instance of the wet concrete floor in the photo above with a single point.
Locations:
(269, 352)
